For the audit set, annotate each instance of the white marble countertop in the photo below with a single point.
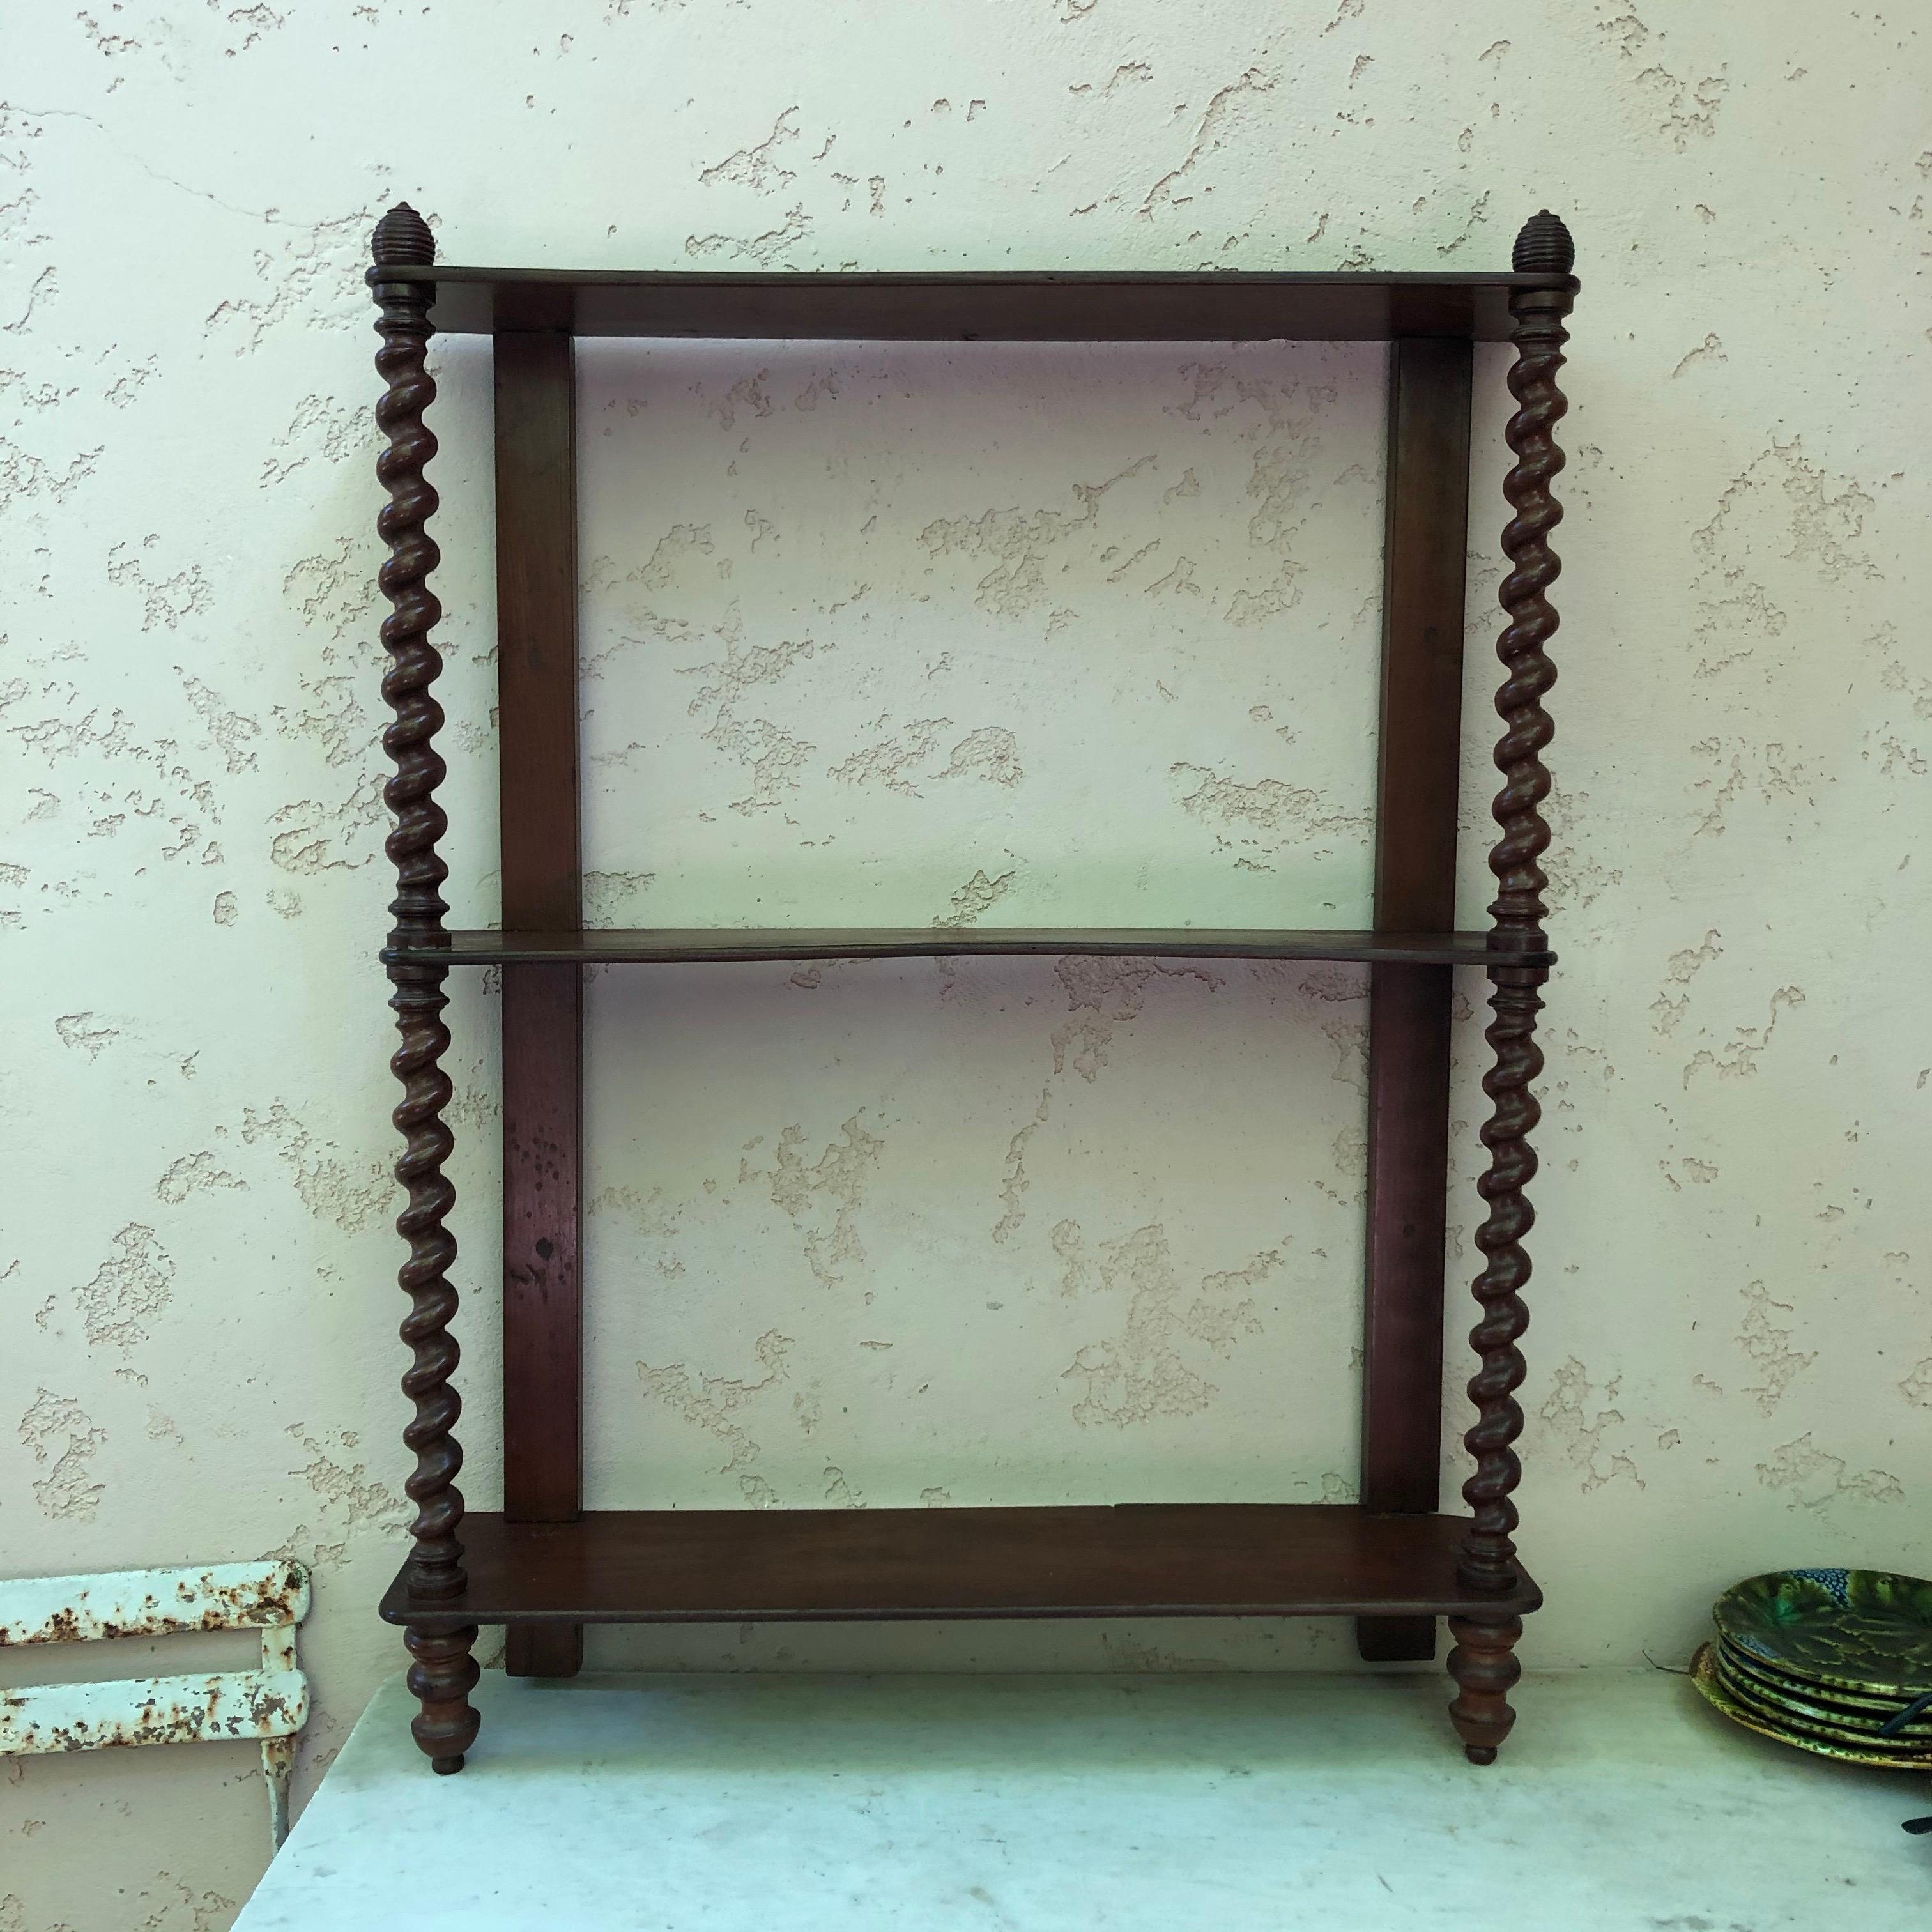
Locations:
(1228, 1801)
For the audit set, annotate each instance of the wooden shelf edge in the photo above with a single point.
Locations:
(806, 280)
(1071, 306)
(647, 946)
(841, 1566)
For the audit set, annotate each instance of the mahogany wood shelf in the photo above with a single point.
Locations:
(622, 946)
(995, 307)
(819, 1566)
(1396, 1561)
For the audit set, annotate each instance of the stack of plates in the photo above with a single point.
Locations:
(1829, 1661)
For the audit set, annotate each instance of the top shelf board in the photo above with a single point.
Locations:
(1004, 308)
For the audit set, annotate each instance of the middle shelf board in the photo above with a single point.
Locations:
(620, 946)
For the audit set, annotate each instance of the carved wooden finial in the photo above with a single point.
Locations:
(1544, 247)
(403, 239)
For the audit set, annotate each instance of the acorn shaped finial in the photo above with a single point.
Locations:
(403, 239)
(1544, 247)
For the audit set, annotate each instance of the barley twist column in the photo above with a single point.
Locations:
(443, 1673)
(1482, 1662)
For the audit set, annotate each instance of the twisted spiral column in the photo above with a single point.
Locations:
(1488, 1557)
(1538, 333)
(1483, 1663)
(443, 1673)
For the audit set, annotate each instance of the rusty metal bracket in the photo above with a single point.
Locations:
(270, 1705)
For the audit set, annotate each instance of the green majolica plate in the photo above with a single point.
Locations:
(1839, 1707)
(1704, 1676)
(1854, 1629)
(1811, 1721)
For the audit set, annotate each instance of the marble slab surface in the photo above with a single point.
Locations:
(770, 1803)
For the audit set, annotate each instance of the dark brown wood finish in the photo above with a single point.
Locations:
(543, 1186)
(995, 308)
(542, 1567)
(443, 1673)
(1419, 755)
(1148, 1559)
(619, 946)
(543, 1005)
(1482, 1665)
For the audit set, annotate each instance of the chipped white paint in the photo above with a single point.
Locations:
(152, 1603)
(231, 1706)
(269, 1706)
(910, 634)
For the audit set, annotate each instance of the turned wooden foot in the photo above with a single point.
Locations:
(442, 1677)
(1484, 1666)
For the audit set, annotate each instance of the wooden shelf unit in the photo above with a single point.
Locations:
(1395, 1561)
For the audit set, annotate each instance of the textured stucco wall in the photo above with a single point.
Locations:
(912, 635)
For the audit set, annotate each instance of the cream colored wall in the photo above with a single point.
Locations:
(917, 634)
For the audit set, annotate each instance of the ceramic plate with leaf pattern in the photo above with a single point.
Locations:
(1856, 1630)
(1807, 1721)
(1704, 1676)
(1839, 1707)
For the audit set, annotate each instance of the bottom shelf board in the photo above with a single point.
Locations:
(1138, 1559)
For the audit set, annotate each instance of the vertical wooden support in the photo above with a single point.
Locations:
(1423, 583)
(444, 1672)
(543, 1005)
(1483, 1663)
